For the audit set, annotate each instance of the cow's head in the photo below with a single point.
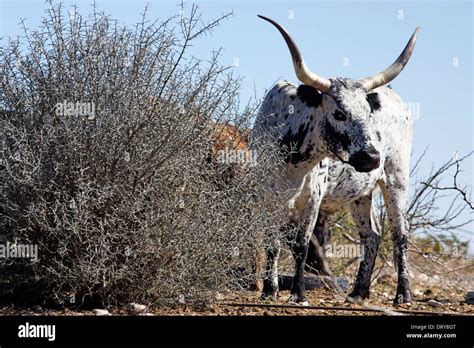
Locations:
(346, 130)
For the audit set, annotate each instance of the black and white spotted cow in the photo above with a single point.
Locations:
(345, 138)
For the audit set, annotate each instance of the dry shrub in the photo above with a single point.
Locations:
(124, 204)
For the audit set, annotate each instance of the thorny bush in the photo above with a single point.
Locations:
(105, 165)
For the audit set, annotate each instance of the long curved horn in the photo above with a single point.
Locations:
(301, 70)
(393, 70)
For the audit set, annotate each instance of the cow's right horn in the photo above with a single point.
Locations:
(302, 71)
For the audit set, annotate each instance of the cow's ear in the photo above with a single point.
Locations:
(374, 101)
(309, 95)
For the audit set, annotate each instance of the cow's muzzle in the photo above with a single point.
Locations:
(365, 161)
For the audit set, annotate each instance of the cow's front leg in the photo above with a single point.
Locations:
(270, 280)
(400, 241)
(299, 248)
(395, 192)
(361, 213)
(303, 221)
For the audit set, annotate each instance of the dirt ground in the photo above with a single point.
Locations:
(426, 298)
(438, 285)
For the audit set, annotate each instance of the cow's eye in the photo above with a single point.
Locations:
(340, 116)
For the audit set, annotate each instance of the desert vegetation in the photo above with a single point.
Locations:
(109, 165)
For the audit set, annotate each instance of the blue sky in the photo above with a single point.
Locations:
(337, 38)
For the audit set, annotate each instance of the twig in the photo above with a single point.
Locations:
(346, 309)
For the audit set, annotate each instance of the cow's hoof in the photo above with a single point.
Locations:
(293, 299)
(402, 298)
(358, 296)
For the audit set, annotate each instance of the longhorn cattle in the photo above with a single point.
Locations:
(344, 138)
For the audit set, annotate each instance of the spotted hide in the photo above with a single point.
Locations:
(344, 139)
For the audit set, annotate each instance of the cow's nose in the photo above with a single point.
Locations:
(365, 161)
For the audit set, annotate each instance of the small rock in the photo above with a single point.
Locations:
(436, 304)
(418, 293)
(101, 312)
(422, 277)
(137, 308)
(470, 297)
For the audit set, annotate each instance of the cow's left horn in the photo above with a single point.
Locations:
(393, 70)
(302, 71)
